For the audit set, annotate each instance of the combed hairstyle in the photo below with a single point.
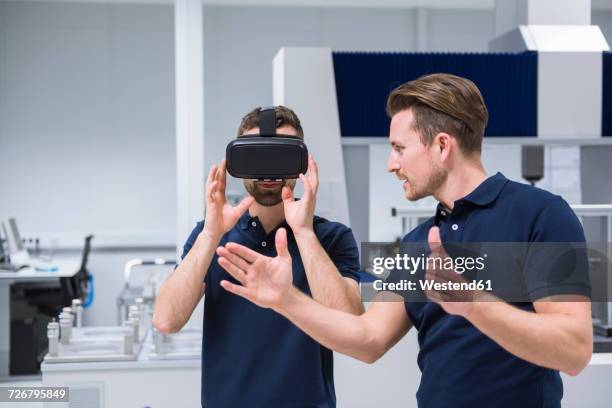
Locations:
(284, 117)
(443, 103)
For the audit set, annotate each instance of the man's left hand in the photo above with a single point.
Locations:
(299, 214)
(455, 302)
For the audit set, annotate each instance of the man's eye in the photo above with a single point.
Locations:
(398, 148)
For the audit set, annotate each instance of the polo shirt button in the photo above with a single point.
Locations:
(443, 213)
(264, 243)
(254, 224)
(455, 227)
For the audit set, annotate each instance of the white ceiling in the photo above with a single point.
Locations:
(434, 4)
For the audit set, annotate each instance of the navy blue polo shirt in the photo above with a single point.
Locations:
(462, 367)
(254, 357)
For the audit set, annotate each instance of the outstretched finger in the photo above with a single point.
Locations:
(211, 174)
(222, 175)
(247, 254)
(243, 205)
(287, 195)
(216, 194)
(313, 173)
(218, 175)
(434, 296)
(435, 242)
(211, 189)
(235, 289)
(307, 186)
(232, 270)
(234, 259)
(280, 240)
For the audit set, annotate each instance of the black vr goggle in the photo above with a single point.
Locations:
(267, 155)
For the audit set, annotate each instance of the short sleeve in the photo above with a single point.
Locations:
(557, 261)
(345, 255)
(191, 240)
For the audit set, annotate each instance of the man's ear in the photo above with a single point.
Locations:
(444, 144)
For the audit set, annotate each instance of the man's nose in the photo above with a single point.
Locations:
(392, 165)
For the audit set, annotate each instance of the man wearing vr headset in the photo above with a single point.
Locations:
(488, 353)
(253, 357)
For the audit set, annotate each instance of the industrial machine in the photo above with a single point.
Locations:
(33, 298)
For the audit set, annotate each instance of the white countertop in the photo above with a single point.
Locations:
(141, 363)
(67, 267)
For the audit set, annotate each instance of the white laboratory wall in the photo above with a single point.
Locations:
(87, 121)
(453, 30)
(562, 173)
(87, 131)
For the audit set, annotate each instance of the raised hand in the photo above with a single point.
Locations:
(299, 214)
(457, 302)
(220, 215)
(266, 281)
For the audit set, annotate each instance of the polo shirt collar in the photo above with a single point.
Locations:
(483, 195)
(487, 191)
(441, 213)
(245, 220)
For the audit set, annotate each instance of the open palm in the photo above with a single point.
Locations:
(265, 280)
(221, 216)
(299, 214)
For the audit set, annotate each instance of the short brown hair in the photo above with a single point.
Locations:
(284, 117)
(443, 103)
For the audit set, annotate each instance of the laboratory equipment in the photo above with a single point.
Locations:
(17, 253)
(183, 345)
(96, 343)
(140, 282)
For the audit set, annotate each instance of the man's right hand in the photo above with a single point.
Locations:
(266, 281)
(220, 215)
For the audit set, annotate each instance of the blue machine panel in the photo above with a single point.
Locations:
(508, 82)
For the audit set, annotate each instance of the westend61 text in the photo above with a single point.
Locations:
(407, 285)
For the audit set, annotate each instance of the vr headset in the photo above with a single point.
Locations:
(268, 155)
